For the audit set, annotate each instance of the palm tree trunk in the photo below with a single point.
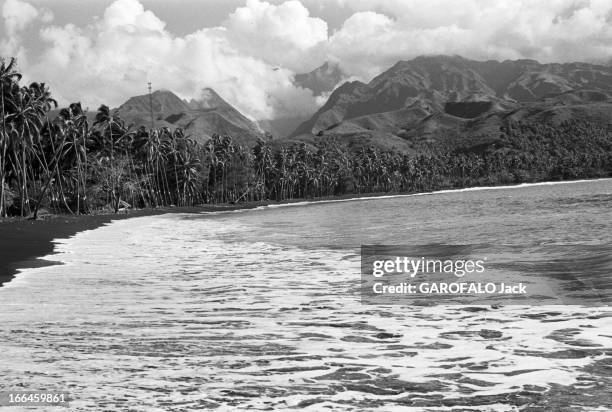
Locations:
(15, 167)
(2, 208)
(24, 177)
(84, 176)
(78, 160)
(4, 142)
(150, 182)
(48, 167)
(2, 179)
(112, 163)
(167, 186)
(61, 188)
(176, 181)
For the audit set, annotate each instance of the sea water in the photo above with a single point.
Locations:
(261, 309)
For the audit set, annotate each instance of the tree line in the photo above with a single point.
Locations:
(67, 165)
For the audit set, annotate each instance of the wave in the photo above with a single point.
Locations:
(182, 321)
(436, 192)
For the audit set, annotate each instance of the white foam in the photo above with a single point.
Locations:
(164, 302)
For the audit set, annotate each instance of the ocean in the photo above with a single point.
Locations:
(261, 309)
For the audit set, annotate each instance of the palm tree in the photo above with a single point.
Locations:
(143, 151)
(72, 125)
(55, 136)
(112, 131)
(9, 79)
(31, 105)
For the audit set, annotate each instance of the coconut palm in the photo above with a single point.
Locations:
(9, 79)
(26, 121)
(73, 126)
(111, 132)
(60, 146)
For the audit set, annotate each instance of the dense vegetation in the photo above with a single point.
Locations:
(66, 164)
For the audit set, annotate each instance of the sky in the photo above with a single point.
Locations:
(105, 51)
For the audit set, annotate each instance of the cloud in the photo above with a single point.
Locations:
(283, 34)
(17, 15)
(114, 58)
(552, 31)
(251, 55)
(130, 15)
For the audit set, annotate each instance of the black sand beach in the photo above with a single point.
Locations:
(22, 242)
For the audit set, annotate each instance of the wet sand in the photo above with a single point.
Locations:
(23, 242)
(184, 312)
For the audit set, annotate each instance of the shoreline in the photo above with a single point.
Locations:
(24, 242)
(392, 195)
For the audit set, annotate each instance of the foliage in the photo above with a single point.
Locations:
(68, 165)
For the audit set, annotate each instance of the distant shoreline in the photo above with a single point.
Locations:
(373, 196)
(23, 242)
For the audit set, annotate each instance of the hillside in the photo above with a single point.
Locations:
(321, 80)
(428, 97)
(200, 118)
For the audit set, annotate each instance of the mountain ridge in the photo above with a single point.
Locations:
(433, 94)
(322, 79)
(201, 118)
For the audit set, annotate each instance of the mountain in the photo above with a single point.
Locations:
(321, 80)
(434, 95)
(137, 110)
(200, 118)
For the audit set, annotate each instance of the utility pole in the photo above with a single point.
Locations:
(151, 105)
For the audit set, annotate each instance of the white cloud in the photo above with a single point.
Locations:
(557, 30)
(130, 15)
(253, 53)
(288, 25)
(283, 35)
(17, 15)
(114, 57)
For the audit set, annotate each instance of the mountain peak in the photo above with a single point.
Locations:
(322, 79)
(163, 92)
(458, 89)
(208, 99)
(440, 57)
(161, 101)
(201, 118)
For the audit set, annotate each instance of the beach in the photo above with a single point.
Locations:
(261, 309)
(23, 242)
(304, 205)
